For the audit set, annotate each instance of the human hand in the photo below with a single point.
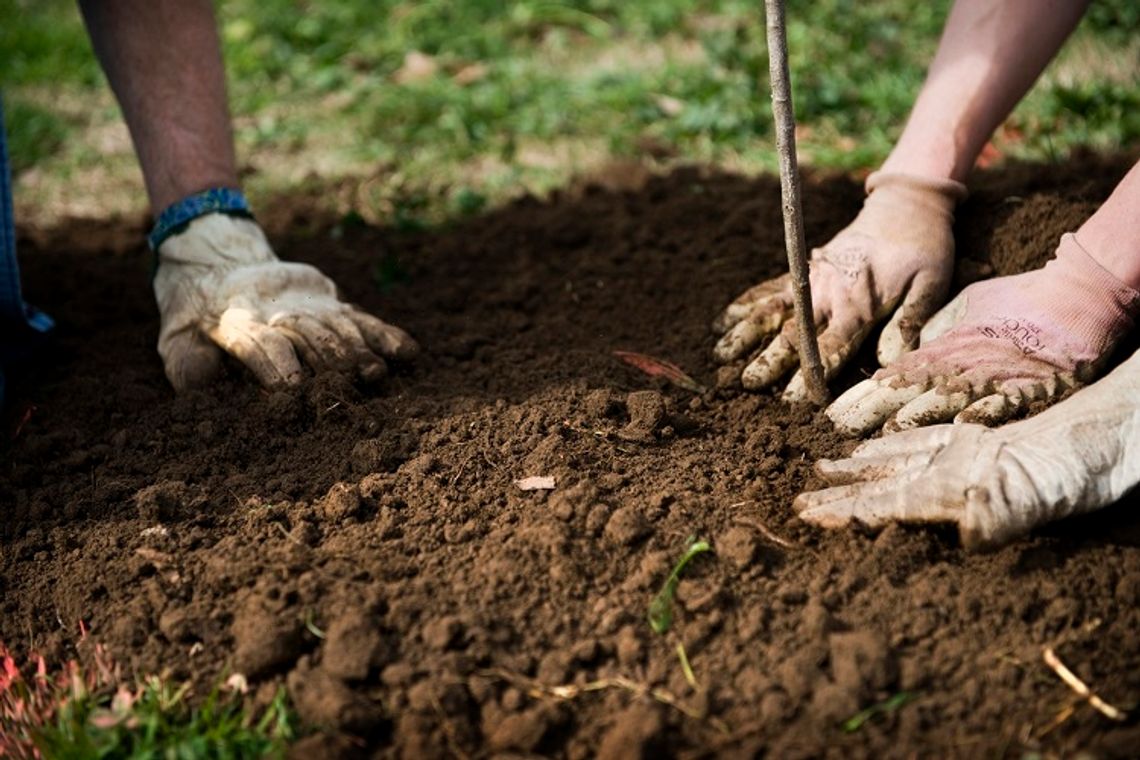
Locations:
(995, 484)
(220, 286)
(897, 256)
(998, 346)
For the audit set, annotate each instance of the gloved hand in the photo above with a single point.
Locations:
(897, 256)
(998, 346)
(219, 286)
(995, 484)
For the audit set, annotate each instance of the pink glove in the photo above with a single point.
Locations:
(896, 257)
(998, 346)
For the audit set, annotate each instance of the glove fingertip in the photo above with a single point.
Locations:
(193, 365)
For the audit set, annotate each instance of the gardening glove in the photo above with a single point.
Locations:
(896, 258)
(995, 484)
(998, 346)
(220, 286)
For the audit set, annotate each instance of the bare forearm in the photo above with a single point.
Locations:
(163, 60)
(1112, 234)
(990, 54)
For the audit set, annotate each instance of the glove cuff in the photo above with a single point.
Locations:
(954, 192)
(1105, 308)
(176, 217)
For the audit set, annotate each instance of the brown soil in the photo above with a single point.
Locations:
(227, 529)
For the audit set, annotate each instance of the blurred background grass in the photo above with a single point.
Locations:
(419, 110)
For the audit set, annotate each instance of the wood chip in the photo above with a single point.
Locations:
(536, 483)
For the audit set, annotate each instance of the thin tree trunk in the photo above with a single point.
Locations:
(785, 120)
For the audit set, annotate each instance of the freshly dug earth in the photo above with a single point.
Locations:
(366, 547)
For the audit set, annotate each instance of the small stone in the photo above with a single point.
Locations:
(626, 526)
(340, 503)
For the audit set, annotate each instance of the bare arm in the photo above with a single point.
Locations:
(163, 60)
(990, 54)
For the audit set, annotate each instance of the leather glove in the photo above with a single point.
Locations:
(998, 346)
(220, 287)
(895, 259)
(995, 484)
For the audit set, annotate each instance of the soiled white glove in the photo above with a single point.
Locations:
(999, 345)
(995, 484)
(219, 286)
(896, 257)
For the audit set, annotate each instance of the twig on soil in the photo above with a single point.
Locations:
(686, 668)
(785, 120)
(762, 529)
(572, 691)
(655, 367)
(600, 435)
(1079, 686)
(661, 608)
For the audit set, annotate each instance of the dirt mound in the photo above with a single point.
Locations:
(367, 547)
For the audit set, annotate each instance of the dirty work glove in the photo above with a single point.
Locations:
(998, 346)
(896, 259)
(219, 286)
(995, 484)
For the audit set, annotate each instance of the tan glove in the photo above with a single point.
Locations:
(995, 484)
(896, 258)
(219, 286)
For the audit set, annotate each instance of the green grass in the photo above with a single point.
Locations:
(527, 93)
(71, 712)
(162, 724)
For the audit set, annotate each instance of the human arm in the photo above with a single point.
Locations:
(218, 283)
(1004, 343)
(989, 55)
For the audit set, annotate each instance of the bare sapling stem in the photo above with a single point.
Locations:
(785, 120)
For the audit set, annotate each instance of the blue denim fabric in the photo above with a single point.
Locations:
(19, 322)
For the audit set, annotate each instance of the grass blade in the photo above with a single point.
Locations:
(889, 705)
(661, 607)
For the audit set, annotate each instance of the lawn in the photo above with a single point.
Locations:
(437, 107)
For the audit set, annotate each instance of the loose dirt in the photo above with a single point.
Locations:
(366, 546)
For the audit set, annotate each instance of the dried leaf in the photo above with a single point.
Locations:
(536, 483)
(657, 368)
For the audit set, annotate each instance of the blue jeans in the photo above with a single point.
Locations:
(20, 323)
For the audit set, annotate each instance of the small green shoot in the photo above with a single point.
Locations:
(661, 608)
(889, 705)
(686, 668)
(311, 626)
